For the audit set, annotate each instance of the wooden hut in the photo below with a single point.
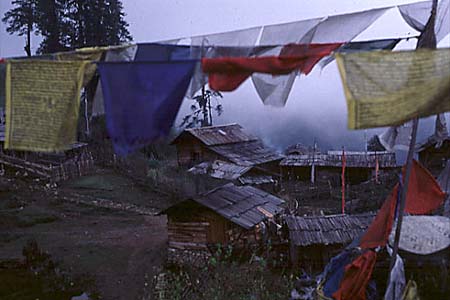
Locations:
(314, 240)
(228, 143)
(360, 166)
(229, 214)
(434, 153)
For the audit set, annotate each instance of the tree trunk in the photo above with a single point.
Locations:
(28, 42)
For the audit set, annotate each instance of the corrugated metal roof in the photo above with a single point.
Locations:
(247, 153)
(220, 169)
(334, 159)
(333, 229)
(222, 134)
(240, 204)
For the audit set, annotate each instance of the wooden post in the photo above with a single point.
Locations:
(427, 39)
(404, 192)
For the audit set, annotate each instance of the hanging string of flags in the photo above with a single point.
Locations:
(142, 86)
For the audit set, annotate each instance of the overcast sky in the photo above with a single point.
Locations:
(316, 107)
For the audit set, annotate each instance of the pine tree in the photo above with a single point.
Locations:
(69, 24)
(50, 17)
(22, 19)
(94, 23)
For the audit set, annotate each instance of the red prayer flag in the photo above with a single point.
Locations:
(357, 275)
(424, 195)
(378, 232)
(343, 181)
(227, 73)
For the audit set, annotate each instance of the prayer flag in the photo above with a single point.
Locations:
(440, 130)
(417, 15)
(424, 195)
(91, 54)
(356, 277)
(343, 181)
(126, 53)
(396, 137)
(389, 88)
(354, 47)
(142, 100)
(42, 104)
(227, 73)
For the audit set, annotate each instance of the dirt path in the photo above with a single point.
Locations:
(112, 235)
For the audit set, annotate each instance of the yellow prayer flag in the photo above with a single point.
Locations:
(42, 104)
(91, 54)
(386, 88)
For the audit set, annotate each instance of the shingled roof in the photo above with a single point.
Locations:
(232, 143)
(326, 230)
(247, 153)
(245, 206)
(353, 159)
(219, 135)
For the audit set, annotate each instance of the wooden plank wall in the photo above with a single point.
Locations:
(186, 150)
(188, 235)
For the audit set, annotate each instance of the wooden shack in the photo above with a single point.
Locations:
(434, 153)
(227, 215)
(314, 240)
(360, 166)
(228, 143)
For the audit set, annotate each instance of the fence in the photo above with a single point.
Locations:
(80, 165)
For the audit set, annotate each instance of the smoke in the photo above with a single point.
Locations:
(316, 111)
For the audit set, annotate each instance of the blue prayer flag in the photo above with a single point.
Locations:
(334, 272)
(142, 100)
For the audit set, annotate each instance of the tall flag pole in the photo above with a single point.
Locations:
(427, 39)
(343, 180)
